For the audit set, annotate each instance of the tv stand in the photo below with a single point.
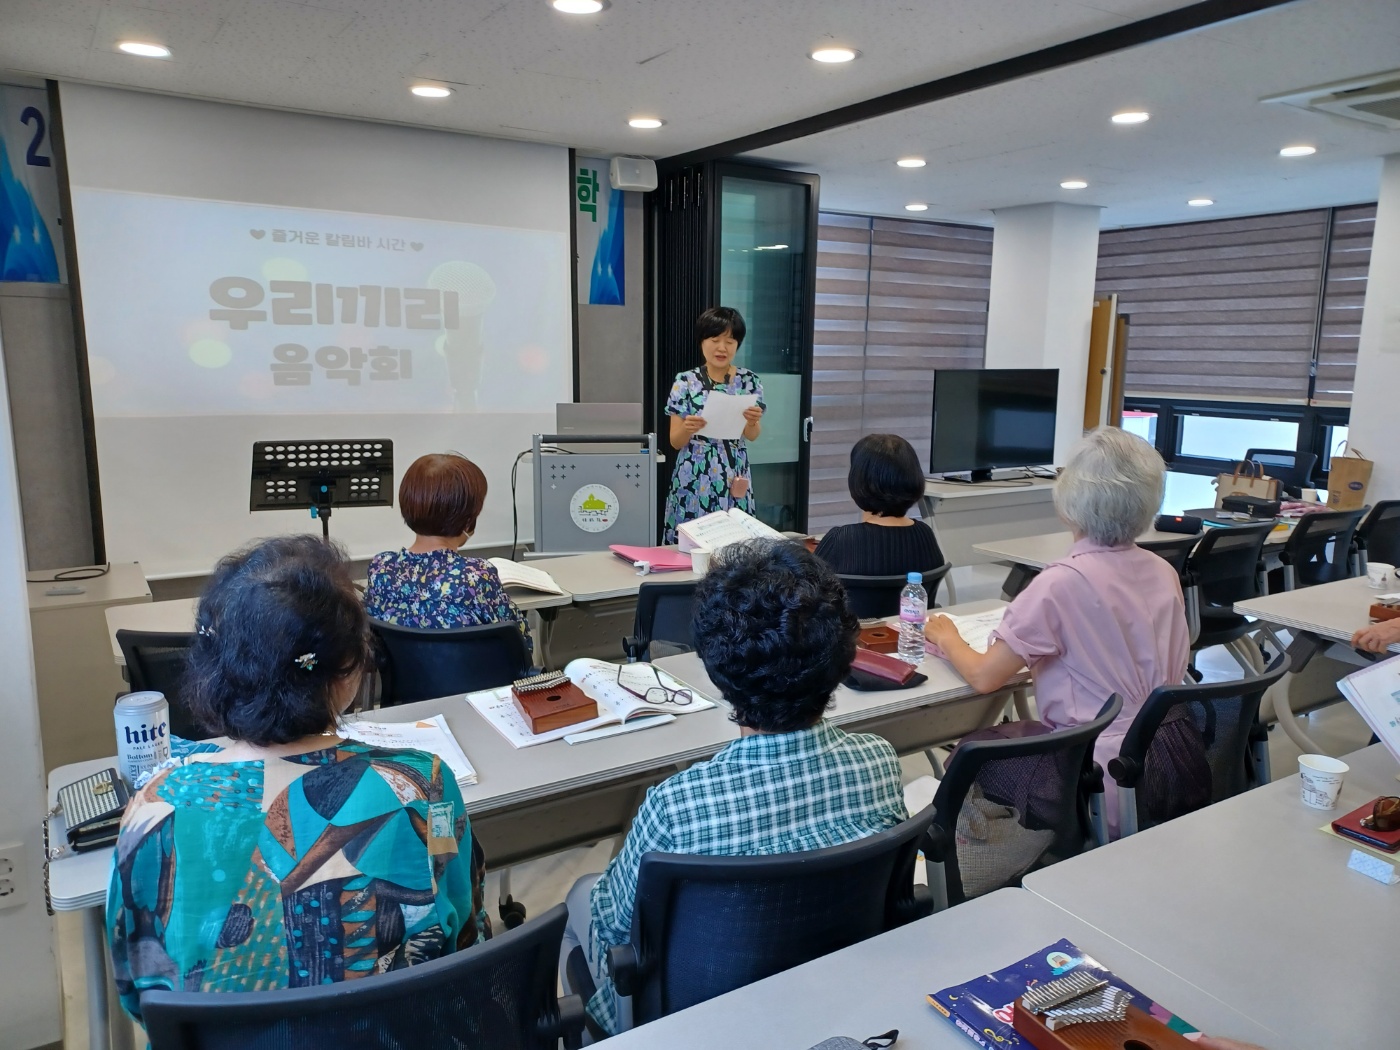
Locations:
(974, 477)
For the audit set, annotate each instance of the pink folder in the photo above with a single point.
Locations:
(662, 559)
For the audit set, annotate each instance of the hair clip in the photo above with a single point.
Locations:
(306, 661)
(205, 630)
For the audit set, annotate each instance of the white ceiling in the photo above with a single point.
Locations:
(1209, 135)
(713, 69)
(718, 69)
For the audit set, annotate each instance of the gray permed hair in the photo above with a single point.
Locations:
(1112, 487)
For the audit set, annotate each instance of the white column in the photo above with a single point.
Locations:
(1044, 257)
(29, 998)
(1375, 406)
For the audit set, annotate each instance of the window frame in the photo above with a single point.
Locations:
(1312, 420)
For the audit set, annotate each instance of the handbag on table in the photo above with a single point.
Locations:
(1248, 479)
(92, 810)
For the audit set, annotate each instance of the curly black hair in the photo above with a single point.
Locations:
(280, 625)
(773, 628)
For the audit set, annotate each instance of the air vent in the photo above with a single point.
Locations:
(1374, 99)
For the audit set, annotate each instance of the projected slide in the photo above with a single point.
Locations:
(210, 308)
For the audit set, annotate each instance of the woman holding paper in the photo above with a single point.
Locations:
(712, 470)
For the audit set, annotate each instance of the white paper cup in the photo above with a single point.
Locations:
(699, 562)
(1322, 780)
(1379, 575)
(1310, 496)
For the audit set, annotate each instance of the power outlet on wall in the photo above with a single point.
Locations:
(12, 875)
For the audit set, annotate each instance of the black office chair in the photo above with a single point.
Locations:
(1320, 549)
(156, 660)
(703, 926)
(663, 617)
(1176, 553)
(1190, 746)
(422, 663)
(1227, 566)
(872, 596)
(1006, 806)
(499, 995)
(1378, 537)
(1292, 468)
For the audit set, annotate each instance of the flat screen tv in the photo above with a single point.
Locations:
(985, 418)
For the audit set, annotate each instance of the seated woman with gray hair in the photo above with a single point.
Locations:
(1107, 618)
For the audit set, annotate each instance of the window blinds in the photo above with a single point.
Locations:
(895, 301)
(1348, 259)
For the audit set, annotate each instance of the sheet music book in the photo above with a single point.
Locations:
(976, 628)
(1375, 693)
(512, 573)
(599, 680)
(426, 734)
(721, 528)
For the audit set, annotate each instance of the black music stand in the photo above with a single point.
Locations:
(319, 475)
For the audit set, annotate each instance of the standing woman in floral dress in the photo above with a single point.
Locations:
(711, 474)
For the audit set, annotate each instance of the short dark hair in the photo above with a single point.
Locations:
(773, 628)
(716, 321)
(886, 477)
(279, 626)
(442, 494)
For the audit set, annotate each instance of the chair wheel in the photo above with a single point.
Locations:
(512, 913)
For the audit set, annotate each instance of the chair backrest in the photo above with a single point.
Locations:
(663, 615)
(1379, 534)
(1007, 805)
(1319, 550)
(420, 663)
(1189, 745)
(871, 596)
(499, 995)
(1175, 552)
(703, 926)
(156, 660)
(1226, 565)
(1292, 468)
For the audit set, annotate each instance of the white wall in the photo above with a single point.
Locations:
(1044, 257)
(1375, 415)
(29, 992)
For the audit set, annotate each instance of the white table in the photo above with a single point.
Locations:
(1036, 552)
(602, 576)
(963, 516)
(1250, 901)
(537, 800)
(1323, 619)
(880, 984)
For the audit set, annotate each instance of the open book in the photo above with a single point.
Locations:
(617, 706)
(723, 527)
(1375, 693)
(513, 574)
(426, 734)
(975, 628)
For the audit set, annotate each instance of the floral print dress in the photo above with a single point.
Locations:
(441, 589)
(704, 467)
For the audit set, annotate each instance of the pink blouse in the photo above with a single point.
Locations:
(1100, 621)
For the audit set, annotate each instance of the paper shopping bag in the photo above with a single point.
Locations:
(1248, 479)
(1347, 480)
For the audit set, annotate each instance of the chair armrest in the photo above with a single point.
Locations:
(1126, 772)
(633, 645)
(568, 1025)
(937, 844)
(624, 968)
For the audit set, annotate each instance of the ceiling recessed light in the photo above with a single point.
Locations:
(430, 91)
(916, 207)
(1200, 202)
(1132, 116)
(578, 7)
(1074, 184)
(645, 123)
(834, 54)
(1297, 151)
(136, 47)
(911, 162)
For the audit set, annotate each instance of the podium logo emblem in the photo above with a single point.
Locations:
(594, 508)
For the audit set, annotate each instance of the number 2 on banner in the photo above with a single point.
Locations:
(32, 158)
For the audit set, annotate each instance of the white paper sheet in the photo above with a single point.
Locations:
(427, 734)
(976, 628)
(724, 414)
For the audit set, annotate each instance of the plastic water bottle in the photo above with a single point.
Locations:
(913, 611)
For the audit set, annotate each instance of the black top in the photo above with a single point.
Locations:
(864, 549)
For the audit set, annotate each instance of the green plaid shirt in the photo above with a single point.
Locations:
(760, 795)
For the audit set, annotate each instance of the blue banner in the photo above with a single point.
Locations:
(29, 250)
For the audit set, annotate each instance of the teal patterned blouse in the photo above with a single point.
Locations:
(293, 872)
(440, 589)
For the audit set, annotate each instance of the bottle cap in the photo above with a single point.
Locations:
(916, 577)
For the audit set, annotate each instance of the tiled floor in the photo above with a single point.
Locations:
(543, 883)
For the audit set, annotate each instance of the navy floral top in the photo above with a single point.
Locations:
(439, 589)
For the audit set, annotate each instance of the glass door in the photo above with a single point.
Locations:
(766, 267)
